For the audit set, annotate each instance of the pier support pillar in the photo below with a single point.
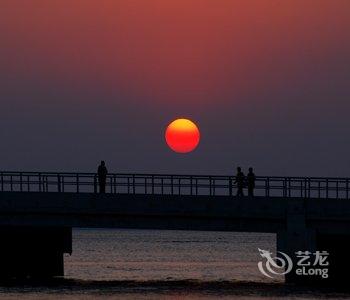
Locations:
(339, 257)
(297, 237)
(34, 252)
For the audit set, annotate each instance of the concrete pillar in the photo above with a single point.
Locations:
(339, 257)
(33, 251)
(296, 237)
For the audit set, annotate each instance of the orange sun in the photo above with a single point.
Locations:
(182, 135)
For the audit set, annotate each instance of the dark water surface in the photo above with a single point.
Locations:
(151, 264)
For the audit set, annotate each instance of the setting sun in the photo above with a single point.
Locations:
(182, 135)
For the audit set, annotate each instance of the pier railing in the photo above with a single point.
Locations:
(303, 187)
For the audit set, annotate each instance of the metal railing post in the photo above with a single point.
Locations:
(20, 182)
(152, 184)
(267, 187)
(172, 184)
(337, 189)
(46, 184)
(210, 186)
(58, 183)
(95, 184)
(214, 186)
(289, 188)
(40, 189)
(301, 188)
(191, 185)
(230, 189)
(77, 181)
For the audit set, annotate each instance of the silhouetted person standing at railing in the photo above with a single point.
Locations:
(240, 179)
(102, 176)
(251, 182)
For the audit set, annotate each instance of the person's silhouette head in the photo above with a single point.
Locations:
(239, 169)
(250, 170)
(103, 163)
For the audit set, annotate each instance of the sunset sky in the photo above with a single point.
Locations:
(266, 81)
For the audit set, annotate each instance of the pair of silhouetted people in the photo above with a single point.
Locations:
(102, 176)
(243, 181)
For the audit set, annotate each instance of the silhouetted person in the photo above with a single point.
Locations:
(251, 182)
(102, 176)
(240, 182)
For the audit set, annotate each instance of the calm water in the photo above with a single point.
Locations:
(147, 264)
(144, 255)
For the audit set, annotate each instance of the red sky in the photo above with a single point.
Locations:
(174, 50)
(278, 64)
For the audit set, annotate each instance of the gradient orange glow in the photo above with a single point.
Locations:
(203, 50)
(182, 135)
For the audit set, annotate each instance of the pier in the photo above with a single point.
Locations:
(39, 209)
